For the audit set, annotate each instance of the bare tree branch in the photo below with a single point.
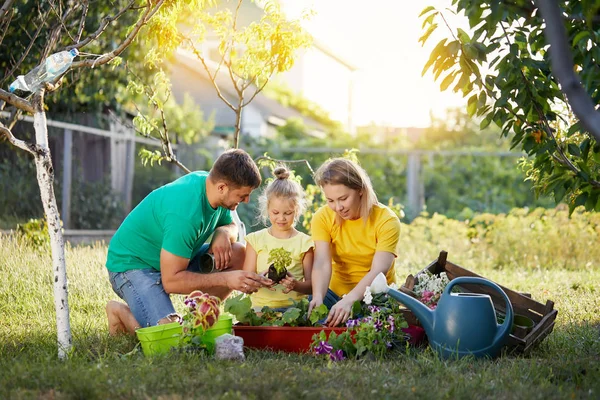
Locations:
(62, 19)
(210, 76)
(16, 101)
(4, 24)
(562, 66)
(26, 52)
(84, 11)
(107, 57)
(303, 161)
(105, 21)
(23, 145)
(5, 8)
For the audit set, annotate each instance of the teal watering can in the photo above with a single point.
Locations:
(463, 323)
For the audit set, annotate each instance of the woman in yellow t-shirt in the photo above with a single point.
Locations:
(281, 203)
(355, 239)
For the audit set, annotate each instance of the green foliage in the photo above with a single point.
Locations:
(94, 205)
(296, 315)
(563, 365)
(504, 69)
(281, 259)
(375, 330)
(35, 233)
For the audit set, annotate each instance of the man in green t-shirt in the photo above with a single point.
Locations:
(149, 255)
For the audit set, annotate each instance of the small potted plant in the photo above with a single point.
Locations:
(280, 259)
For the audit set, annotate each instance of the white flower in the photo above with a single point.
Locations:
(379, 284)
(368, 297)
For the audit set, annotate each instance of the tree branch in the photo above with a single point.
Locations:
(5, 8)
(562, 66)
(27, 50)
(23, 145)
(303, 161)
(84, 11)
(564, 160)
(212, 78)
(105, 21)
(16, 101)
(107, 57)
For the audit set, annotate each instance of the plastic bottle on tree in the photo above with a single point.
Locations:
(54, 66)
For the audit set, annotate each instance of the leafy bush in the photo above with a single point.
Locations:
(35, 233)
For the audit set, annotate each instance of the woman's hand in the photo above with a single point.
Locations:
(315, 302)
(289, 282)
(339, 313)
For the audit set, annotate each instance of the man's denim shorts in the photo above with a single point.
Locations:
(143, 292)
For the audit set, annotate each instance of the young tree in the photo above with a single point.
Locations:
(62, 22)
(251, 54)
(517, 77)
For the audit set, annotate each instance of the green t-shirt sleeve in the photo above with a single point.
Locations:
(179, 236)
(225, 218)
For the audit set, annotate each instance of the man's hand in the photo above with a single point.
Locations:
(247, 282)
(220, 247)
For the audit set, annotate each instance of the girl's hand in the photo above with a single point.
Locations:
(270, 286)
(339, 313)
(289, 282)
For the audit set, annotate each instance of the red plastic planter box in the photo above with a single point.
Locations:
(281, 338)
(298, 339)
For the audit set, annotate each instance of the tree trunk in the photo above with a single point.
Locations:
(45, 177)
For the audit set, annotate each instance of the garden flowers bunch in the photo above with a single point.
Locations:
(202, 312)
(429, 287)
(376, 330)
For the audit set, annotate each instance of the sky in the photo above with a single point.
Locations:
(381, 38)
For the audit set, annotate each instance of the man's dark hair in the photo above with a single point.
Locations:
(237, 168)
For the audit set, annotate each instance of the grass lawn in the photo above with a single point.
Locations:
(514, 253)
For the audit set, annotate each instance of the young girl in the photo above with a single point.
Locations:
(281, 203)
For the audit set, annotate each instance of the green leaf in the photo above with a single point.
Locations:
(318, 313)
(462, 36)
(592, 199)
(472, 105)
(559, 192)
(486, 121)
(581, 199)
(291, 315)
(574, 150)
(426, 10)
(580, 36)
(454, 47)
(427, 33)
(447, 81)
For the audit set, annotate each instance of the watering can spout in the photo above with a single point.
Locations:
(421, 311)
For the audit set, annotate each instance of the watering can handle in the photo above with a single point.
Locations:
(508, 320)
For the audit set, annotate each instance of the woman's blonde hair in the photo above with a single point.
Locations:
(341, 171)
(284, 187)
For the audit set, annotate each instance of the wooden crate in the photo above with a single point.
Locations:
(520, 341)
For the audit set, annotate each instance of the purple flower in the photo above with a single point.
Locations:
(323, 348)
(337, 355)
(374, 309)
(388, 345)
(352, 323)
(191, 303)
(378, 325)
(392, 323)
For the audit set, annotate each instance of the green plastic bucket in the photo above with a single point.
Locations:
(159, 339)
(224, 325)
